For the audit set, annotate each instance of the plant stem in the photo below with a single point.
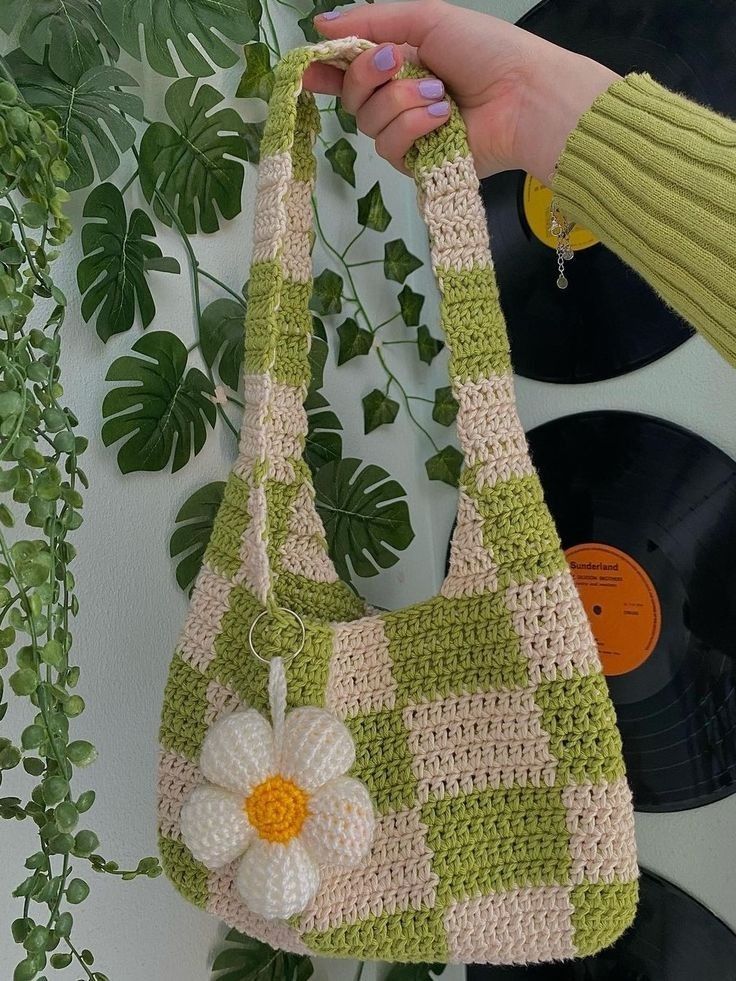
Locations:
(208, 275)
(78, 956)
(276, 48)
(407, 402)
(351, 243)
(365, 262)
(130, 180)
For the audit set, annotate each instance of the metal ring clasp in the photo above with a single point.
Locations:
(290, 657)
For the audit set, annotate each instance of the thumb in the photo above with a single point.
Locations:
(407, 22)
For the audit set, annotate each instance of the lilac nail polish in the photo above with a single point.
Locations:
(438, 108)
(384, 59)
(431, 88)
(331, 14)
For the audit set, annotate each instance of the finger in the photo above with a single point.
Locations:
(323, 78)
(394, 98)
(408, 22)
(393, 142)
(368, 71)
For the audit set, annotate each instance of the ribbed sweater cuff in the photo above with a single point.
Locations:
(653, 175)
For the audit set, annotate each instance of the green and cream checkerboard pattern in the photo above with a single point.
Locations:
(482, 722)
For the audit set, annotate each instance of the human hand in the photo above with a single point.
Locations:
(519, 94)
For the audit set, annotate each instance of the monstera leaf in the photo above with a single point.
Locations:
(86, 110)
(324, 442)
(166, 409)
(195, 520)
(221, 335)
(117, 253)
(364, 515)
(177, 23)
(246, 959)
(414, 972)
(71, 30)
(191, 165)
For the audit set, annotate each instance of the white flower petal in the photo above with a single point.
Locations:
(317, 747)
(237, 752)
(214, 825)
(341, 822)
(276, 880)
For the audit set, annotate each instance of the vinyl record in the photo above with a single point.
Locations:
(646, 512)
(673, 938)
(608, 321)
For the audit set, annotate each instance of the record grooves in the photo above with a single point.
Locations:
(608, 321)
(665, 499)
(673, 938)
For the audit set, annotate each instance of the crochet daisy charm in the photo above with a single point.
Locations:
(277, 795)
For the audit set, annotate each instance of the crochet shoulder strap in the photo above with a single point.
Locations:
(285, 536)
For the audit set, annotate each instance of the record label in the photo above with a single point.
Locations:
(537, 211)
(621, 603)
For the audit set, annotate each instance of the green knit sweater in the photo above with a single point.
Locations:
(653, 175)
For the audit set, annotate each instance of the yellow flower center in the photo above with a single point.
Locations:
(277, 809)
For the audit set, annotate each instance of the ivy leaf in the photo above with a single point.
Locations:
(72, 30)
(80, 108)
(354, 341)
(176, 23)
(342, 159)
(445, 406)
(372, 212)
(345, 119)
(364, 516)
(410, 304)
(445, 466)
(378, 410)
(414, 972)
(429, 347)
(326, 295)
(246, 959)
(192, 164)
(166, 409)
(398, 262)
(257, 80)
(117, 255)
(324, 442)
(189, 540)
(317, 360)
(222, 331)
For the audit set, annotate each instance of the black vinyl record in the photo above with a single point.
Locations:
(608, 321)
(647, 511)
(673, 938)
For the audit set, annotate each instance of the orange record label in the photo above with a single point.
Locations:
(537, 209)
(621, 603)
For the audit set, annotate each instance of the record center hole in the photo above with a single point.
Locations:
(597, 610)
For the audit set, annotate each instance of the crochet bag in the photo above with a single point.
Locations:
(448, 783)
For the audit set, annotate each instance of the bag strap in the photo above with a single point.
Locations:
(285, 536)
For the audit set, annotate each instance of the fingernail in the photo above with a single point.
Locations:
(384, 59)
(438, 109)
(329, 15)
(431, 88)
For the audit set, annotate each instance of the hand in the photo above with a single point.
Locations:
(520, 95)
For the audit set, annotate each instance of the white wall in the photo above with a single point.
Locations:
(132, 609)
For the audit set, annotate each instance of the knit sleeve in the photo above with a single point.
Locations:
(653, 175)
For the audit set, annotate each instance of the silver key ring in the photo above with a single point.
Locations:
(296, 653)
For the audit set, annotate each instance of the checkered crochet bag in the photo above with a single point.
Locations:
(448, 783)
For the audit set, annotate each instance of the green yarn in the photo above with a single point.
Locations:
(578, 715)
(497, 839)
(473, 323)
(188, 875)
(185, 702)
(232, 519)
(383, 760)
(420, 937)
(601, 911)
(478, 630)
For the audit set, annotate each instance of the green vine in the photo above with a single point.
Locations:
(70, 121)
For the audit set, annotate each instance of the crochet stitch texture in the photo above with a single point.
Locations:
(482, 724)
